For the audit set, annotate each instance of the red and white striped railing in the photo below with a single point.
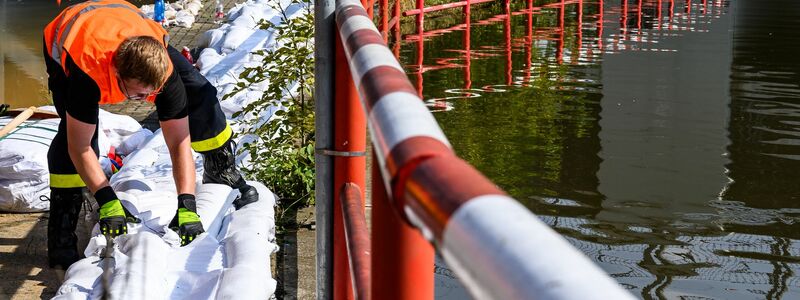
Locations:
(495, 245)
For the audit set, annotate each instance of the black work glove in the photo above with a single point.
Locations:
(114, 217)
(186, 221)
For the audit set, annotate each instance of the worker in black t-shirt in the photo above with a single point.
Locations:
(106, 51)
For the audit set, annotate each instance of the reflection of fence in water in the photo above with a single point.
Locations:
(768, 264)
(641, 27)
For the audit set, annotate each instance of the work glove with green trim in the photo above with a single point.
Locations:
(114, 218)
(186, 221)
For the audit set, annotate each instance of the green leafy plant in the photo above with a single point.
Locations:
(282, 155)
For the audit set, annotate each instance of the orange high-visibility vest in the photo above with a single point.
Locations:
(90, 33)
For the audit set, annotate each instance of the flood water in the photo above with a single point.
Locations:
(23, 77)
(662, 138)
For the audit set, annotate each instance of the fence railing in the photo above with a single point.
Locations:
(425, 197)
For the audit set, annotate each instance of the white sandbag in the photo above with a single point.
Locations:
(23, 152)
(25, 195)
(248, 16)
(184, 19)
(24, 177)
(235, 36)
(207, 59)
(194, 7)
(133, 141)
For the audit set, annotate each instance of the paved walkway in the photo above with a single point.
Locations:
(180, 37)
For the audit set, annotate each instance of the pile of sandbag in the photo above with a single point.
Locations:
(229, 50)
(231, 260)
(24, 176)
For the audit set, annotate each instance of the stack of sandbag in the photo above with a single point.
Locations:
(24, 176)
(229, 50)
(231, 260)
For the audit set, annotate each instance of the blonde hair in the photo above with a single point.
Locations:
(142, 58)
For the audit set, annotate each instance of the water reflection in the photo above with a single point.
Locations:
(658, 136)
(22, 72)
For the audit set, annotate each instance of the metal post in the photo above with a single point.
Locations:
(396, 29)
(420, 49)
(671, 11)
(350, 139)
(384, 7)
(600, 26)
(325, 32)
(560, 41)
(467, 46)
(358, 241)
(658, 13)
(580, 33)
(528, 40)
(403, 259)
(507, 32)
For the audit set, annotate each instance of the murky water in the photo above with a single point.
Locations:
(662, 138)
(23, 77)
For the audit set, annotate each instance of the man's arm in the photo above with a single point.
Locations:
(79, 145)
(176, 134)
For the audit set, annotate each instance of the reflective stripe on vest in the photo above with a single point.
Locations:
(214, 142)
(61, 33)
(66, 181)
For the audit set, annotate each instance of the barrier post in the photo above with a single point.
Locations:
(467, 46)
(349, 163)
(396, 29)
(384, 20)
(561, 31)
(402, 264)
(507, 33)
(324, 59)
(358, 245)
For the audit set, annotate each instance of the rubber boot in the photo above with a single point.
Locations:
(220, 167)
(62, 242)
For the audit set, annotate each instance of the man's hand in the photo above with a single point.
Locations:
(114, 217)
(187, 222)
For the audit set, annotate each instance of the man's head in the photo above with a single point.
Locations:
(142, 63)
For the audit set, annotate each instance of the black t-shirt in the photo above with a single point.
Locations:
(84, 96)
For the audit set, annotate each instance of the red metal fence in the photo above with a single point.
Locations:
(423, 196)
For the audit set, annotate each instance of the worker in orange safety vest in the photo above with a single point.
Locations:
(104, 52)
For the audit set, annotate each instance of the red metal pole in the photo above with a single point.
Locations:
(560, 41)
(397, 36)
(671, 12)
(428, 9)
(507, 31)
(688, 8)
(600, 26)
(403, 260)
(639, 16)
(624, 18)
(358, 242)
(349, 136)
(420, 52)
(528, 40)
(384, 20)
(467, 46)
(658, 13)
(421, 15)
(580, 32)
